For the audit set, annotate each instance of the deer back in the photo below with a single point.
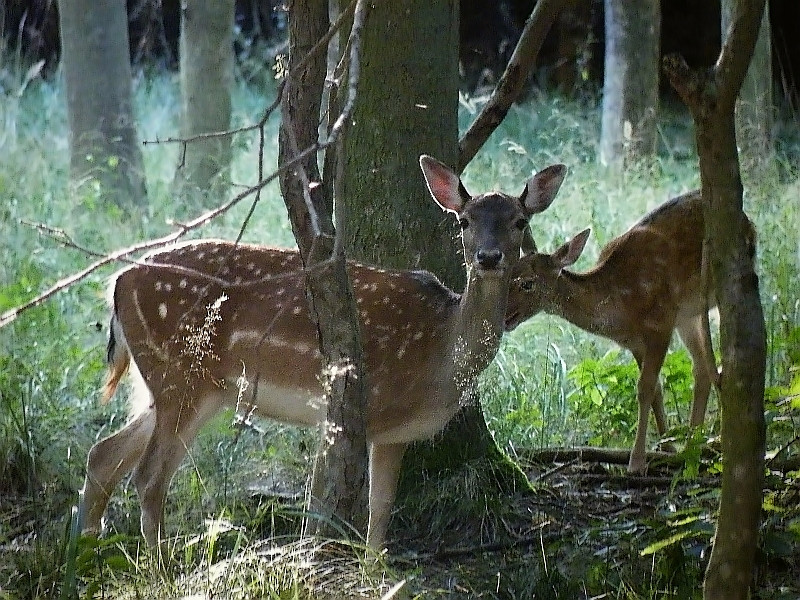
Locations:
(200, 316)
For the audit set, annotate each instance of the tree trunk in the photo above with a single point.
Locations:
(711, 97)
(407, 105)
(630, 89)
(97, 74)
(340, 487)
(754, 106)
(206, 57)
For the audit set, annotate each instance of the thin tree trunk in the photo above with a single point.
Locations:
(340, 487)
(630, 89)
(206, 57)
(104, 147)
(711, 97)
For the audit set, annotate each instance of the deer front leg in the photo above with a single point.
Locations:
(647, 395)
(109, 461)
(385, 461)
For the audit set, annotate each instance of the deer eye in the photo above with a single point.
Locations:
(463, 223)
(526, 285)
(521, 224)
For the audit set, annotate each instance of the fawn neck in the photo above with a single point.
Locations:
(584, 299)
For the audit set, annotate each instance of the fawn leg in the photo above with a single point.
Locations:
(697, 340)
(648, 396)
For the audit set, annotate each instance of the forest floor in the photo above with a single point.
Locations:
(590, 530)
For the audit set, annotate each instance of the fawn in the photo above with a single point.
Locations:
(647, 283)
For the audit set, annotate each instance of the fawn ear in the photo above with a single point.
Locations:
(444, 185)
(541, 189)
(567, 254)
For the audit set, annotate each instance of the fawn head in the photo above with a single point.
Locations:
(533, 277)
(492, 224)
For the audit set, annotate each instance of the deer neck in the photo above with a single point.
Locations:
(479, 324)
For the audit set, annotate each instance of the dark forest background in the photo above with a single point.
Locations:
(572, 55)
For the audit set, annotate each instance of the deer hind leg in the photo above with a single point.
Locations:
(649, 396)
(110, 460)
(384, 470)
(172, 435)
(696, 337)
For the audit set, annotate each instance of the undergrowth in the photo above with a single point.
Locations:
(551, 385)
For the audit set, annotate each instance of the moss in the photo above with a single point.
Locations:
(459, 486)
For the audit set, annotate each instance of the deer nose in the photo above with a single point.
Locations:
(489, 259)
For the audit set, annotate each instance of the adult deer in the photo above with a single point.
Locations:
(211, 324)
(647, 283)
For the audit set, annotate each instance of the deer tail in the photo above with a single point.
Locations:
(118, 357)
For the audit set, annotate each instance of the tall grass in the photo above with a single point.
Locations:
(51, 358)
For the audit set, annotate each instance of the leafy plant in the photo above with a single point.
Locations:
(605, 396)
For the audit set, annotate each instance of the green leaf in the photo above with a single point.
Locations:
(665, 543)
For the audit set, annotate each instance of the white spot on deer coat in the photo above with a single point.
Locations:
(162, 311)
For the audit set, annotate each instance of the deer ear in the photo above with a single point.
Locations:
(444, 185)
(541, 189)
(567, 254)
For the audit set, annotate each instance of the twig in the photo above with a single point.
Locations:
(778, 462)
(65, 240)
(354, 42)
(550, 472)
(625, 481)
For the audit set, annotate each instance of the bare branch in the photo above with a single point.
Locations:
(354, 70)
(696, 88)
(511, 83)
(302, 174)
(122, 254)
(63, 238)
(734, 58)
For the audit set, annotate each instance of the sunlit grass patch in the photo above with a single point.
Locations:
(306, 569)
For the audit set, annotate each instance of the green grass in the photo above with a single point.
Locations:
(552, 384)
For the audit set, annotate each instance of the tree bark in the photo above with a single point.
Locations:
(97, 74)
(754, 106)
(340, 487)
(711, 97)
(206, 64)
(630, 88)
(408, 105)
